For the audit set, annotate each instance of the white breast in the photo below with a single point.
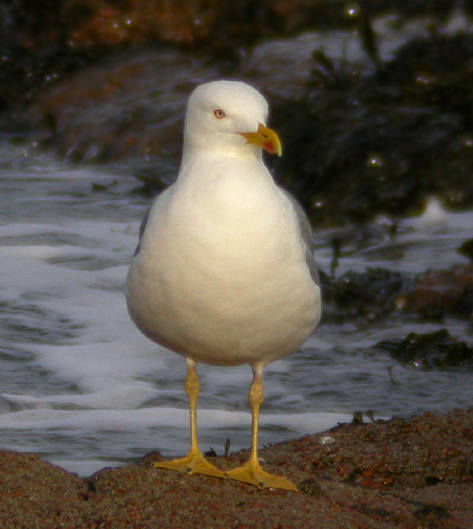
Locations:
(221, 276)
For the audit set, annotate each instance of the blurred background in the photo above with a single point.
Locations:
(373, 102)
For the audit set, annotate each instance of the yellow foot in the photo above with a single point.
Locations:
(192, 464)
(255, 475)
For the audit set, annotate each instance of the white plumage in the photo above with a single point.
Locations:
(223, 273)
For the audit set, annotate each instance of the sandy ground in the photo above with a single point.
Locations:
(410, 473)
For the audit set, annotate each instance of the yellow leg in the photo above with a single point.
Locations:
(252, 472)
(194, 462)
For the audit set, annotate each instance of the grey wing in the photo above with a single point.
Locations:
(142, 230)
(306, 234)
(157, 202)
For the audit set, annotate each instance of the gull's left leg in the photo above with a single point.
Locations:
(252, 472)
(194, 462)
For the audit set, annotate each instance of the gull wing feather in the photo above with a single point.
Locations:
(306, 234)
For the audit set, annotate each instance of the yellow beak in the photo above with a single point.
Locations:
(265, 138)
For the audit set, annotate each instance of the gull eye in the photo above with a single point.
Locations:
(219, 114)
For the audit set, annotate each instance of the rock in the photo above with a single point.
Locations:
(45, 41)
(358, 143)
(367, 296)
(398, 473)
(438, 293)
(129, 107)
(466, 249)
(436, 350)
(361, 141)
(34, 492)
(378, 293)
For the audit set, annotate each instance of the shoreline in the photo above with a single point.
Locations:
(409, 473)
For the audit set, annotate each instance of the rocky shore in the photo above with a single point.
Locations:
(412, 473)
(106, 83)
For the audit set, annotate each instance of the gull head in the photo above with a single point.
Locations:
(228, 118)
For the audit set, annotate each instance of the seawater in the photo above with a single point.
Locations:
(81, 387)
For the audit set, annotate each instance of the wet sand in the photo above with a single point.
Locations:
(409, 473)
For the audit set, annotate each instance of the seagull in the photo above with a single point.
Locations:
(224, 271)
